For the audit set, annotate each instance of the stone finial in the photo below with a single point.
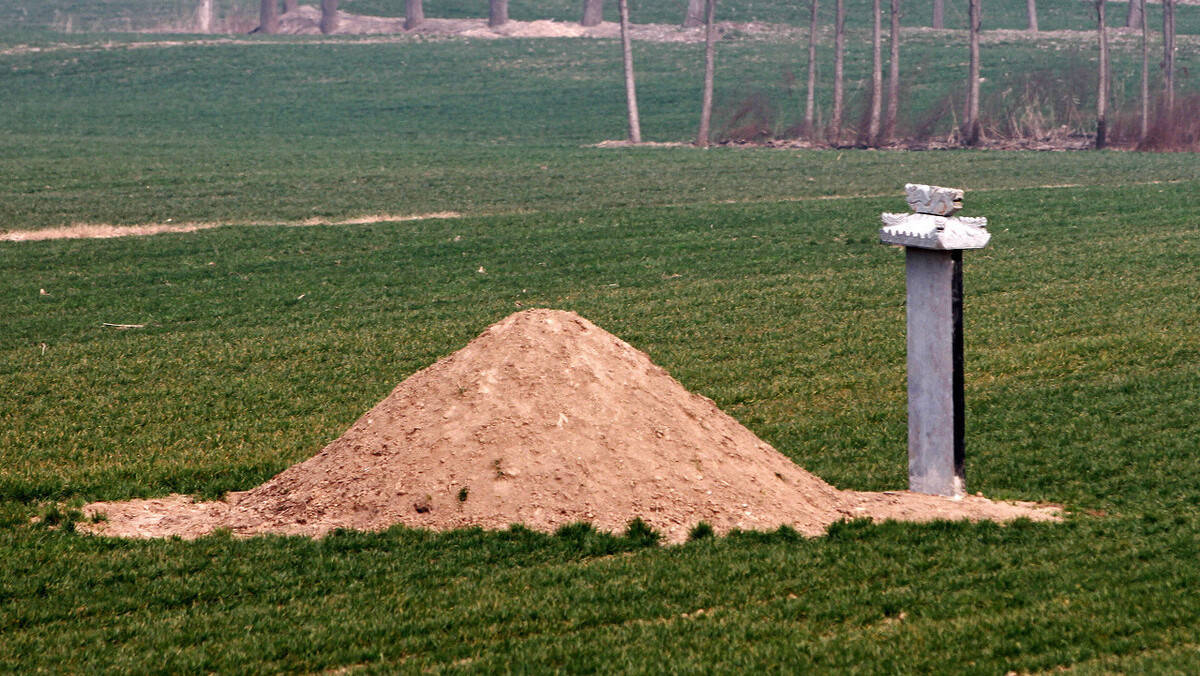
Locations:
(933, 199)
(934, 226)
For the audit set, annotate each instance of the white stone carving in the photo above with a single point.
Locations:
(934, 225)
(933, 199)
(927, 231)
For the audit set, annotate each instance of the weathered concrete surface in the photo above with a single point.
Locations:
(933, 199)
(935, 399)
(934, 232)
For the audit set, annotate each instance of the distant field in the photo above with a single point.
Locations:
(753, 276)
(91, 15)
(1052, 14)
(268, 131)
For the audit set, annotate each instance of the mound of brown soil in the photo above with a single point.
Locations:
(544, 420)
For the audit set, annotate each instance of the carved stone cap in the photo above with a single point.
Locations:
(933, 199)
(934, 225)
(926, 231)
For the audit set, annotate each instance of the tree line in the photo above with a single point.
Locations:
(880, 128)
(970, 132)
(882, 108)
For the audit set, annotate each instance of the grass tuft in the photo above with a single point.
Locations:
(641, 534)
(700, 531)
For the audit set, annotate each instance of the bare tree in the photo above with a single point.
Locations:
(839, 59)
(939, 14)
(810, 101)
(204, 16)
(971, 126)
(414, 14)
(329, 16)
(1168, 64)
(268, 17)
(1136, 16)
(1102, 91)
(893, 95)
(1031, 15)
(497, 12)
(635, 127)
(1145, 129)
(290, 5)
(695, 14)
(710, 43)
(593, 12)
(876, 76)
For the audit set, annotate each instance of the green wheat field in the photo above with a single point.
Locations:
(753, 275)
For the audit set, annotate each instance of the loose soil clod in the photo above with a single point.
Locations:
(545, 420)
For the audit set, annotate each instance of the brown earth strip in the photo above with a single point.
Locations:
(106, 231)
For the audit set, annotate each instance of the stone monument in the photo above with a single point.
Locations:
(934, 239)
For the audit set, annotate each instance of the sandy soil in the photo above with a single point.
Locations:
(106, 231)
(305, 20)
(545, 419)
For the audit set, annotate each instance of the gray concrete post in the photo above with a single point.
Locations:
(933, 241)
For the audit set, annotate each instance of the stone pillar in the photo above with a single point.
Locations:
(934, 241)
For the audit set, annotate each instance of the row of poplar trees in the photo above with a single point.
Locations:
(881, 122)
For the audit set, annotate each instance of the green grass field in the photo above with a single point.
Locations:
(753, 276)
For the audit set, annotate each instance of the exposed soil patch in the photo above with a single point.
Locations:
(106, 231)
(544, 420)
(306, 20)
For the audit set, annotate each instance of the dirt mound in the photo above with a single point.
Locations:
(545, 420)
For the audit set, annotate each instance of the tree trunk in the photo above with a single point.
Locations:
(329, 16)
(876, 76)
(497, 12)
(710, 43)
(414, 14)
(1102, 92)
(1145, 130)
(810, 102)
(1168, 64)
(1136, 16)
(893, 95)
(593, 12)
(635, 127)
(1031, 14)
(695, 14)
(971, 126)
(268, 16)
(839, 59)
(939, 13)
(290, 5)
(204, 16)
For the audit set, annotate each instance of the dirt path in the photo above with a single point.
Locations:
(106, 231)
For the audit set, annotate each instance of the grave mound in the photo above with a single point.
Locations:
(544, 420)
